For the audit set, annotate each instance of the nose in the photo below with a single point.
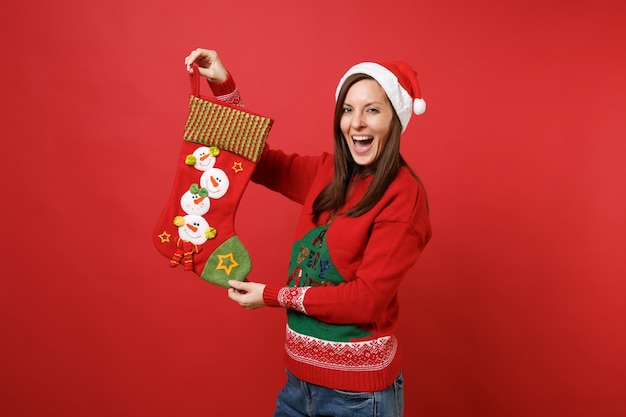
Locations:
(357, 120)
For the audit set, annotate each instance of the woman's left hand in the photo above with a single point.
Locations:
(249, 295)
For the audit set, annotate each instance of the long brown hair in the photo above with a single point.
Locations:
(333, 197)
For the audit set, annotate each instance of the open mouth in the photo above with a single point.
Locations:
(362, 143)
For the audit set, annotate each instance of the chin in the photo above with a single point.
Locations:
(364, 160)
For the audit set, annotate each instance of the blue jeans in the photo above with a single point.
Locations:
(301, 399)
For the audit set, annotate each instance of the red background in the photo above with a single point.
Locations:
(516, 308)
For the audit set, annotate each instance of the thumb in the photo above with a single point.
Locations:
(238, 285)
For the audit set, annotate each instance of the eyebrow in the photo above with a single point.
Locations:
(371, 103)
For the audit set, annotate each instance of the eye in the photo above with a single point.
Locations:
(346, 110)
(373, 110)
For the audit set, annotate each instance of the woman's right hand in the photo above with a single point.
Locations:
(209, 64)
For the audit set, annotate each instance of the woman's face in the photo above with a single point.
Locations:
(366, 121)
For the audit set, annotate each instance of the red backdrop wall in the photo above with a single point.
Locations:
(516, 307)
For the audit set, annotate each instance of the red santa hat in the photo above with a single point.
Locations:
(399, 80)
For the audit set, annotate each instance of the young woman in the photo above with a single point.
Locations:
(364, 223)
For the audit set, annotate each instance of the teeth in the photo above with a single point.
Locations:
(361, 138)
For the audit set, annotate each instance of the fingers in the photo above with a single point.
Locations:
(201, 57)
(247, 294)
(237, 292)
(241, 298)
(209, 64)
(239, 285)
(235, 295)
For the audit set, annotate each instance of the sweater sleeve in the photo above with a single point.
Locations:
(227, 91)
(396, 239)
(365, 298)
(288, 174)
(286, 297)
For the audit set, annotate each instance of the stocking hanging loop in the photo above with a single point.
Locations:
(194, 78)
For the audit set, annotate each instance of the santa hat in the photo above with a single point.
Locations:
(399, 81)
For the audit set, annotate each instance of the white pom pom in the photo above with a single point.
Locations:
(419, 106)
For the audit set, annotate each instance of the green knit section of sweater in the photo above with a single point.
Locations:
(312, 266)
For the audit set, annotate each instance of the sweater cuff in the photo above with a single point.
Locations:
(270, 295)
(224, 88)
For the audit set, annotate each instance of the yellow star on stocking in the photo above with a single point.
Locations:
(165, 237)
(231, 263)
(237, 167)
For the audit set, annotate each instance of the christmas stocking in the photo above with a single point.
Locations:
(221, 146)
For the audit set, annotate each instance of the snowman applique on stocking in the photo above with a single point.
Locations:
(221, 145)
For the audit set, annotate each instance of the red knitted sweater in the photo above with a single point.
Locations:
(341, 293)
